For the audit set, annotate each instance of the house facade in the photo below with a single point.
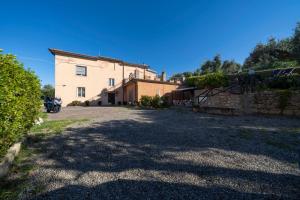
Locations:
(99, 80)
(134, 89)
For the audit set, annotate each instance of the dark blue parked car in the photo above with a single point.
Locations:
(52, 104)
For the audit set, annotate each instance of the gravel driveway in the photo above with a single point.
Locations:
(169, 154)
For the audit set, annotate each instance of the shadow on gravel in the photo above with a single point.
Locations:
(120, 145)
(129, 189)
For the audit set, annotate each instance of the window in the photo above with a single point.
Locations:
(111, 82)
(81, 70)
(81, 92)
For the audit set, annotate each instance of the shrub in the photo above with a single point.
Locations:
(19, 100)
(156, 101)
(75, 103)
(191, 81)
(165, 101)
(87, 103)
(211, 80)
(146, 101)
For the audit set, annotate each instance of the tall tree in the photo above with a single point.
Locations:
(217, 63)
(230, 67)
(270, 55)
(296, 43)
(212, 65)
(48, 91)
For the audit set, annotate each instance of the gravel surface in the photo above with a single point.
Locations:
(169, 154)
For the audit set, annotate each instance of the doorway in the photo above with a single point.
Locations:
(111, 98)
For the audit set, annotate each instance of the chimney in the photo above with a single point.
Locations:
(163, 76)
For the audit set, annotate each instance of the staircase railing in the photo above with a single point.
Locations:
(214, 91)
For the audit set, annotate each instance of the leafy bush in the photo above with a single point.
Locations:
(165, 101)
(87, 103)
(191, 81)
(75, 103)
(211, 80)
(146, 101)
(19, 100)
(285, 64)
(156, 101)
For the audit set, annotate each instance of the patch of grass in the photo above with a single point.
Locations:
(53, 127)
(245, 134)
(43, 115)
(16, 182)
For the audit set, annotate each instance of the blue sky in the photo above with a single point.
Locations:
(174, 36)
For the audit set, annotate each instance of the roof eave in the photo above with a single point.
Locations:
(76, 55)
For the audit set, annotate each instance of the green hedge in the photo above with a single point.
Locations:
(211, 80)
(146, 101)
(75, 103)
(154, 102)
(19, 100)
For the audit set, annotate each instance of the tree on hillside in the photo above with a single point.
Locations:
(296, 43)
(230, 67)
(212, 65)
(48, 91)
(187, 74)
(197, 72)
(181, 75)
(276, 53)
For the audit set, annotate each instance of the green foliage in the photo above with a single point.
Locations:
(165, 101)
(191, 81)
(211, 80)
(230, 67)
(75, 103)
(154, 102)
(284, 64)
(276, 53)
(53, 127)
(296, 43)
(180, 75)
(19, 100)
(48, 91)
(146, 100)
(265, 56)
(211, 66)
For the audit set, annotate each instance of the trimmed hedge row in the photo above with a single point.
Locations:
(154, 102)
(19, 100)
(211, 80)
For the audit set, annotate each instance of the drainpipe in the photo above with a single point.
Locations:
(123, 80)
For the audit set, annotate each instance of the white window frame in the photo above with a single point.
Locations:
(79, 74)
(111, 82)
(80, 92)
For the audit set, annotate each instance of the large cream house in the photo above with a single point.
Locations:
(97, 79)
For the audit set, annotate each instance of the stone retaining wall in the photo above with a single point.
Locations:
(265, 102)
